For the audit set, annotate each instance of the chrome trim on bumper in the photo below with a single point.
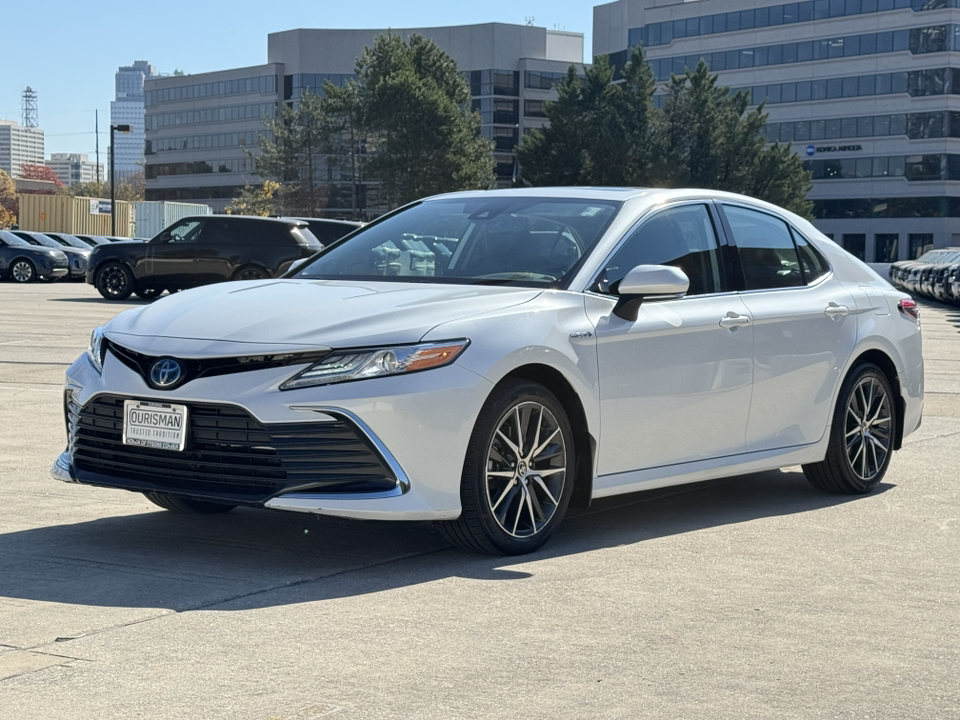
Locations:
(62, 468)
(403, 482)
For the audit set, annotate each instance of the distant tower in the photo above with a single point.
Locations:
(29, 105)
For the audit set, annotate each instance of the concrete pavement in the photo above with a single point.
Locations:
(751, 597)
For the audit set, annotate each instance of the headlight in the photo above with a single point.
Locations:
(97, 349)
(359, 364)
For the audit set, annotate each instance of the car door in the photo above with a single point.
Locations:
(216, 249)
(5, 257)
(171, 256)
(804, 328)
(674, 384)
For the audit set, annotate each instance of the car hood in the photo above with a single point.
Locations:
(279, 314)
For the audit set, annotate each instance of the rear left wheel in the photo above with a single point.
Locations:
(250, 272)
(148, 293)
(518, 473)
(861, 437)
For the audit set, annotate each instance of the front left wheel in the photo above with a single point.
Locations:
(518, 473)
(22, 271)
(114, 281)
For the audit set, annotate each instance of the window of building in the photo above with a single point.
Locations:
(919, 243)
(855, 244)
(886, 247)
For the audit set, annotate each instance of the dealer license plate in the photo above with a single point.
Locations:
(154, 425)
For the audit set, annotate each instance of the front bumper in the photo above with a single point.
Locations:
(419, 425)
(78, 267)
(52, 273)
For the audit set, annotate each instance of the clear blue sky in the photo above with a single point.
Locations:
(68, 51)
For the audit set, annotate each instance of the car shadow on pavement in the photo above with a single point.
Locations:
(101, 301)
(249, 559)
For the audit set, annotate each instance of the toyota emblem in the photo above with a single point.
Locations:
(165, 373)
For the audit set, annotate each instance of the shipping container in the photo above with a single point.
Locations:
(73, 215)
(152, 216)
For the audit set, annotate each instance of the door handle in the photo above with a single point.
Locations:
(834, 311)
(733, 321)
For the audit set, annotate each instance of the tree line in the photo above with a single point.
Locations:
(405, 122)
(609, 133)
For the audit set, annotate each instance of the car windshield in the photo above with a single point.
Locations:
(479, 240)
(12, 239)
(70, 241)
(42, 240)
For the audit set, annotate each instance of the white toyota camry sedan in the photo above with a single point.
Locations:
(487, 359)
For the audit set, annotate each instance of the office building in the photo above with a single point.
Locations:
(127, 109)
(74, 168)
(862, 89)
(200, 127)
(19, 146)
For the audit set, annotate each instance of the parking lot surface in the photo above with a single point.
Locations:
(750, 597)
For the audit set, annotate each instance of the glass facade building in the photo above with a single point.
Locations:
(863, 90)
(200, 128)
(128, 109)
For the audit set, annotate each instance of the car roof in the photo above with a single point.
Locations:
(331, 221)
(258, 218)
(651, 196)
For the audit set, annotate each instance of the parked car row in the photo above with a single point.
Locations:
(935, 274)
(205, 249)
(24, 262)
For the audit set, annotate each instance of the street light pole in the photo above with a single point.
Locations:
(113, 182)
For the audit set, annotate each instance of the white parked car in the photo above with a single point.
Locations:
(487, 359)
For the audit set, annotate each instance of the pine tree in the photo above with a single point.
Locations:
(416, 107)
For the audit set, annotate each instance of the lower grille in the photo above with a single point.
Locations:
(229, 455)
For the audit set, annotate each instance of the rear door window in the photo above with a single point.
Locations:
(768, 255)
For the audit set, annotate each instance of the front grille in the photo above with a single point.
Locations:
(229, 455)
(210, 367)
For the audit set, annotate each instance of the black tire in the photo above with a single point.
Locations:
(22, 271)
(114, 281)
(504, 515)
(191, 506)
(861, 437)
(148, 293)
(250, 272)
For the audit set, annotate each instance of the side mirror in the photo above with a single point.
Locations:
(297, 264)
(649, 282)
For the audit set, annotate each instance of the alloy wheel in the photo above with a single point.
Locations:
(22, 271)
(867, 429)
(114, 281)
(526, 469)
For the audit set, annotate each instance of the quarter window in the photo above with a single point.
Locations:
(682, 237)
(767, 253)
(813, 264)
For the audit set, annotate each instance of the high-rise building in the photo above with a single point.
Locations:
(862, 89)
(128, 109)
(19, 146)
(199, 127)
(73, 168)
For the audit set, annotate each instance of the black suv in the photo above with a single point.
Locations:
(329, 231)
(199, 251)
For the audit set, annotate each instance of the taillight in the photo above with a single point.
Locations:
(909, 309)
